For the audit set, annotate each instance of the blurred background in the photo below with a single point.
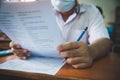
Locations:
(108, 7)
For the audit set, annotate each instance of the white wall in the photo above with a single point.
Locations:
(108, 7)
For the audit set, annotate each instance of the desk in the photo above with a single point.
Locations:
(107, 68)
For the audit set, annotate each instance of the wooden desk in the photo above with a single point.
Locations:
(107, 68)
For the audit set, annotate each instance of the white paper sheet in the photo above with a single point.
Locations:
(33, 26)
(35, 64)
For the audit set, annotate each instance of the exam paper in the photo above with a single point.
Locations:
(35, 64)
(33, 25)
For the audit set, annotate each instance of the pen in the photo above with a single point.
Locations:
(5, 52)
(79, 38)
(81, 35)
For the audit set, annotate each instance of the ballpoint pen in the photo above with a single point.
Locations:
(79, 38)
(5, 52)
(81, 35)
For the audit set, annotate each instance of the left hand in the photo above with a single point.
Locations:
(76, 53)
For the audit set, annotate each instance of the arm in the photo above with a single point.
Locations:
(100, 48)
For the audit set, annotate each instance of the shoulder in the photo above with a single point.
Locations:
(88, 7)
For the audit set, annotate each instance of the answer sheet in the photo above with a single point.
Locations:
(35, 64)
(32, 25)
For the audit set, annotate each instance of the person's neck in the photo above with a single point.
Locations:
(66, 15)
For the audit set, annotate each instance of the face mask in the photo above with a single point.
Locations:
(63, 5)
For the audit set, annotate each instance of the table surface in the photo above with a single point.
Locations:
(106, 68)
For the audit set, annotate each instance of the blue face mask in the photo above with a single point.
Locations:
(63, 5)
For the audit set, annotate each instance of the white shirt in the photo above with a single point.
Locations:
(85, 15)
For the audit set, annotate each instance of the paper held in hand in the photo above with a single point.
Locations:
(33, 25)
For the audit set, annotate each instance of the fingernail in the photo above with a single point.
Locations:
(24, 51)
(24, 58)
(18, 46)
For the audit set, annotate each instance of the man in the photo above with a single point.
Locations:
(72, 19)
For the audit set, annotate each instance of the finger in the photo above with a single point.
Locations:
(68, 46)
(22, 58)
(71, 53)
(21, 52)
(82, 65)
(14, 45)
(75, 60)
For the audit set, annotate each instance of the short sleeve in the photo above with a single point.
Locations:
(97, 29)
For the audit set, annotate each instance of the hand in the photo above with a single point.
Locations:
(76, 53)
(18, 51)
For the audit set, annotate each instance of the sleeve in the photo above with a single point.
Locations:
(97, 29)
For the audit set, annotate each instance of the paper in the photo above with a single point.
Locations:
(35, 64)
(33, 25)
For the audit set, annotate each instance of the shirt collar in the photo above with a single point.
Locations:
(79, 9)
(82, 8)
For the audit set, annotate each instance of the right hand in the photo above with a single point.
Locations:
(19, 51)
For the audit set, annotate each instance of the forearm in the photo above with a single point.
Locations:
(100, 48)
